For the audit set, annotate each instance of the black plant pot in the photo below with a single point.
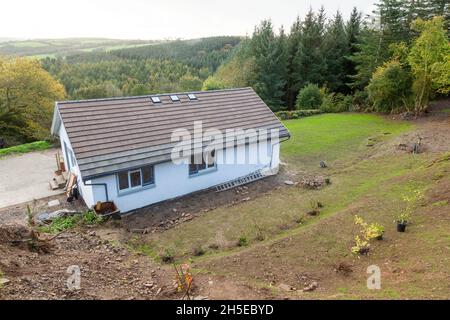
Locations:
(401, 226)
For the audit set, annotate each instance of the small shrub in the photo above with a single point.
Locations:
(369, 231)
(314, 207)
(198, 251)
(360, 100)
(310, 97)
(167, 256)
(299, 220)
(336, 102)
(242, 242)
(62, 223)
(91, 218)
(184, 280)
(259, 231)
(214, 246)
(296, 114)
(361, 247)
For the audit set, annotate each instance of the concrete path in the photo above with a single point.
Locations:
(26, 177)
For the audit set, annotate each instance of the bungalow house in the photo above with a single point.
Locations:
(137, 151)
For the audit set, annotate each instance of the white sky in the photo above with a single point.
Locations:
(153, 19)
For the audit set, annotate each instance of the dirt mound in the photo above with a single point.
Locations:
(12, 234)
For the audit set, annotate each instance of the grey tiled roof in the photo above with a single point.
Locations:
(109, 135)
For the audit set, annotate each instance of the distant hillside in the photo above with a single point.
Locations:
(42, 48)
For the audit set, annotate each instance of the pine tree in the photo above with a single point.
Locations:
(293, 46)
(353, 32)
(335, 51)
(270, 64)
(309, 60)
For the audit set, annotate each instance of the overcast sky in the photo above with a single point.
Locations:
(153, 19)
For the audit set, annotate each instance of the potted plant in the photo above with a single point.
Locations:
(402, 221)
(404, 216)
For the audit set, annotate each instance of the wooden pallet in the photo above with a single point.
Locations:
(239, 181)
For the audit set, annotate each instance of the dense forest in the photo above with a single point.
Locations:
(395, 59)
(167, 67)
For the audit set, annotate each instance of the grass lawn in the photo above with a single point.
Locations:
(335, 136)
(27, 147)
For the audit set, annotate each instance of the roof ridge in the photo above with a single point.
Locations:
(149, 95)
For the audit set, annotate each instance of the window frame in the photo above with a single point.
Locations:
(207, 168)
(139, 187)
(174, 98)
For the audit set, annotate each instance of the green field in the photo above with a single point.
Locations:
(44, 48)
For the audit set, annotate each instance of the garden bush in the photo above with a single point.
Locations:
(297, 114)
(390, 88)
(310, 97)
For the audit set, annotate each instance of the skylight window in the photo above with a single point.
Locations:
(174, 98)
(156, 99)
(192, 96)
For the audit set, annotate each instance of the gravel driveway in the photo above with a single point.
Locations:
(26, 177)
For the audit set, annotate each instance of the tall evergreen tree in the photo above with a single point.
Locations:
(270, 64)
(309, 60)
(335, 52)
(293, 46)
(353, 33)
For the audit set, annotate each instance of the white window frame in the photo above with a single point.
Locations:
(141, 186)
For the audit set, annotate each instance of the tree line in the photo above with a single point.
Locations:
(341, 64)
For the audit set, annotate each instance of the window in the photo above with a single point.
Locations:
(156, 99)
(134, 179)
(174, 98)
(123, 181)
(192, 96)
(147, 175)
(209, 163)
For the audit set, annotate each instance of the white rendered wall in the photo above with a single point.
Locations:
(173, 180)
(85, 191)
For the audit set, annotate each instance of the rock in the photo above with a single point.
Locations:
(3, 281)
(285, 287)
(246, 199)
(289, 182)
(53, 203)
(311, 287)
(323, 164)
(46, 217)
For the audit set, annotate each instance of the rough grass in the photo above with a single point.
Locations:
(27, 147)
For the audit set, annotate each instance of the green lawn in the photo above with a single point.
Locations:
(335, 136)
(27, 147)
